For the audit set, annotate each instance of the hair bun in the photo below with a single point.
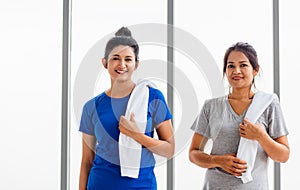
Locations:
(124, 31)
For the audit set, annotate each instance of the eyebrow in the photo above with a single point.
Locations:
(230, 62)
(117, 55)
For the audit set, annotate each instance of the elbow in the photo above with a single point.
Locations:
(171, 149)
(170, 156)
(284, 161)
(191, 157)
(87, 163)
(171, 152)
(283, 157)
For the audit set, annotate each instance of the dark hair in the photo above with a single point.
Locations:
(122, 37)
(247, 50)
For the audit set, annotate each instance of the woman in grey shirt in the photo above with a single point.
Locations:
(223, 120)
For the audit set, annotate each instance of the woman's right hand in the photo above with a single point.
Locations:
(231, 164)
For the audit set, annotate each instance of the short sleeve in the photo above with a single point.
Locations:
(276, 122)
(158, 107)
(86, 124)
(201, 123)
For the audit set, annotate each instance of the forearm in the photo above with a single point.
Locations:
(202, 159)
(88, 155)
(161, 147)
(84, 173)
(276, 151)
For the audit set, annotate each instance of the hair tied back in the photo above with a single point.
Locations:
(123, 32)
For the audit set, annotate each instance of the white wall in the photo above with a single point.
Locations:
(30, 103)
(30, 75)
(289, 79)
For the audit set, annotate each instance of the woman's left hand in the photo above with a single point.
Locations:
(250, 130)
(129, 127)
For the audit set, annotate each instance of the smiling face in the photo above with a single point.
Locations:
(121, 63)
(239, 71)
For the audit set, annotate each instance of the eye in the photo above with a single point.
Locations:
(115, 58)
(229, 66)
(244, 65)
(128, 60)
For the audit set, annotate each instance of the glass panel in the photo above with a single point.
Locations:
(217, 25)
(289, 77)
(30, 74)
(93, 23)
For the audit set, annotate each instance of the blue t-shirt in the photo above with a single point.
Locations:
(100, 118)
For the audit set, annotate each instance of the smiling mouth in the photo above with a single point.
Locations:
(237, 78)
(120, 71)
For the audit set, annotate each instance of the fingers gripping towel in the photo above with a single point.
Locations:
(129, 150)
(247, 148)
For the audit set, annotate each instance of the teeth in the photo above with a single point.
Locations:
(121, 71)
(237, 77)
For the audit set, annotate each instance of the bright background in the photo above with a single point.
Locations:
(31, 62)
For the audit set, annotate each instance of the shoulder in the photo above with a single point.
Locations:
(91, 103)
(212, 102)
(275, 98)
(155, 93)
(214, 105)
(275, 102)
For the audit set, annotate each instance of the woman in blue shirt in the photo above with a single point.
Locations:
(103, 119)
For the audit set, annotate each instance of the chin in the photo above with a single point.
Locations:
(122, 79)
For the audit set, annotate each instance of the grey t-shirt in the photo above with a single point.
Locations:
(218, 121)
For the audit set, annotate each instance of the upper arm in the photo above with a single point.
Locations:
(88, 147)
(158, 108)
(198, 142)
(283, 140)
(165, 131)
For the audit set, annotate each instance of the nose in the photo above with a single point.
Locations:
(237, 70)
(122, 63)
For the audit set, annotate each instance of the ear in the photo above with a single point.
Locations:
(136, 65)
(104, 63)
(256, 71)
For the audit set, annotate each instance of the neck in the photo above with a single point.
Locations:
(120, 89)
(241, 94)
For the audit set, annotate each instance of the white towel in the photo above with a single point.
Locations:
(129, 150)
(247, 148)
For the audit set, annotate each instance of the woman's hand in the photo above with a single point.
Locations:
(251, 131)
(164, 146)
(129, 127)
(277, 149)
(228, 162)
(231, 164)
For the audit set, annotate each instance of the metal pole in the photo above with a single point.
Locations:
(65, 183)
(170, 78)
(277, 185)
